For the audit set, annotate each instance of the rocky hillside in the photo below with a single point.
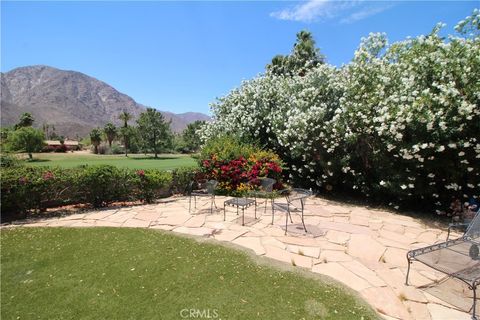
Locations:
(72, 101)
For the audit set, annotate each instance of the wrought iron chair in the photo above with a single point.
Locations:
(458, 258)
(459, 225)
(295, 201)
(207, 190)
(265, 192)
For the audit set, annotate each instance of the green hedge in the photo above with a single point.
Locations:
(26, 189)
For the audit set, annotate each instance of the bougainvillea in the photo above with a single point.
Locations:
(238, 166)
(400, 122)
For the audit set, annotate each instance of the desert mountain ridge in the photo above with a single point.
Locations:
(73, 102)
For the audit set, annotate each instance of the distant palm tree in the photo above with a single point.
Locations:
(110, 132)
(95, 139)
(125, 116)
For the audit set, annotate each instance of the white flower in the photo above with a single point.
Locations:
(382, 183)
(403, 186)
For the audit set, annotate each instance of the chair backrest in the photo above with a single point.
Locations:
(266, 184)
(473, 230)
(190, 186)
(211, 185)
(298, 196)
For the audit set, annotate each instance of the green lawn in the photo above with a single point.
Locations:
(109, 273)
(69, 160)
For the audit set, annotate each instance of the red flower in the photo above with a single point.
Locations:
(23, 180)
(48, 175)
(140, 173)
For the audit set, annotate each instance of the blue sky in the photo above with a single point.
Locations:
(180, 56)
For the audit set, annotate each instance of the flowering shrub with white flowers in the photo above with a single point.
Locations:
(399, 123)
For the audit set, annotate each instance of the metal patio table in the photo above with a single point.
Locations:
(239, 203)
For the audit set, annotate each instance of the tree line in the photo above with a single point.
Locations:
(150, 134)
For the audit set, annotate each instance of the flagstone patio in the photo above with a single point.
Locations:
(365, 249)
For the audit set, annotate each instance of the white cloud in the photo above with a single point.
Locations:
(321, 10)
(365, 13)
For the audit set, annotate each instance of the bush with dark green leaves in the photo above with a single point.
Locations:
(101, 185)
(152, 184)
(26, 189)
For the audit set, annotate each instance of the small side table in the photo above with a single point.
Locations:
(242, 203)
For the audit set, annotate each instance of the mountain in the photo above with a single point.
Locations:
(72, 101)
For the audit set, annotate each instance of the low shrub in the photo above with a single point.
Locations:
(116, 149)
(102, 149)
(237, 165)
(181, 178)
(9, 160)
(101, 185)
(25, 189)
(61, 149)
(152, 184)
(48, 148)
(33, 188)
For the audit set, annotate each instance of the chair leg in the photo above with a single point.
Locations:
(214, 203)
(271, 203)
(303, 222)
(474, 306)
(448, 232)
(408, 269)
(286, 221)
(243, 216)
(224, 213)
(273, 212)
(189, 204)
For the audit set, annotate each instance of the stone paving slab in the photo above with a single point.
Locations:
(360, 247)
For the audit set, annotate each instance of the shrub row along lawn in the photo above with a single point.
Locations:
(26, 188)
(106, 273)
(71, 160)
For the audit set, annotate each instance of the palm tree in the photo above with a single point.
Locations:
(110, 132)
(95, 139)
(125, 116)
